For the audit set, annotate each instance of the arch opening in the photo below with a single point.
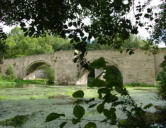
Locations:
(35, 66)
(40, 70)
(115, 76)
(159, 77)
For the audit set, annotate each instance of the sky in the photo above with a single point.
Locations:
(142, 32)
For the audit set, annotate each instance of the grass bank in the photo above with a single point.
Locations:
(14, 83)
(139, 85)
(19, 83)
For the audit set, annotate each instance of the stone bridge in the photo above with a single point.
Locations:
(141, 67)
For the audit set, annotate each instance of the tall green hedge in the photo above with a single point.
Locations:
(162, 78)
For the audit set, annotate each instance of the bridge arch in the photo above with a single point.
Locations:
(111, 62)
(113, 70)
(83, 80)
(32, 68)
(35, 65)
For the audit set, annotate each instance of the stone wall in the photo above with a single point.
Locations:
(141, 67)
(136, 68)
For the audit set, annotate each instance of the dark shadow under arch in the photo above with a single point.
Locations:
(40, 70)
(91, 74)
(115, 75)
(34, 66)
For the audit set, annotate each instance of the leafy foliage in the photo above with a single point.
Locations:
(162, 78)
(17, 44)
(3, 46)
(20, 45)
(10, 71)
(62, 124)
(108, 20)
(134, 42)
(90, 125)
(50, 73)
(159, 33)
(78, 111)
(53, 116)
(16, 121)
(78, 94)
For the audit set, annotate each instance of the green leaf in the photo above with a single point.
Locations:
(90, 125)
(113, 77)
(149, 10)
(100, 108)
(122, 122)
(62, 124)
(95, 82)
(78, 94)
(92, 105)
(148, 106)
(103, 91)
(107, 113)
(90, 100)
(53, 116)
(75, 121)
(75, 24)
(78, 111)
(146, 15)
(79, 101)
(70, 24)
(22, 24)
(81, 34)
(98, 63)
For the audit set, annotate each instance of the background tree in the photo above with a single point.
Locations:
(134, 42)
(159, 33)
(3, 46)
(20, 45)
(10, 72)
(65, 17)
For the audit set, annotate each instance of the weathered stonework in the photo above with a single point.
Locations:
(141, 67)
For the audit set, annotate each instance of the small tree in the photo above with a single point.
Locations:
(10, 71)
(50, 73)
(3, 48)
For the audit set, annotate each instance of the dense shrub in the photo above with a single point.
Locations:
(50, 73)
(1, 76)
(1, 61)
(19, 83)
(158, 76)
(162, 78)
(138, 85)
(6, 84)
(10, 71)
